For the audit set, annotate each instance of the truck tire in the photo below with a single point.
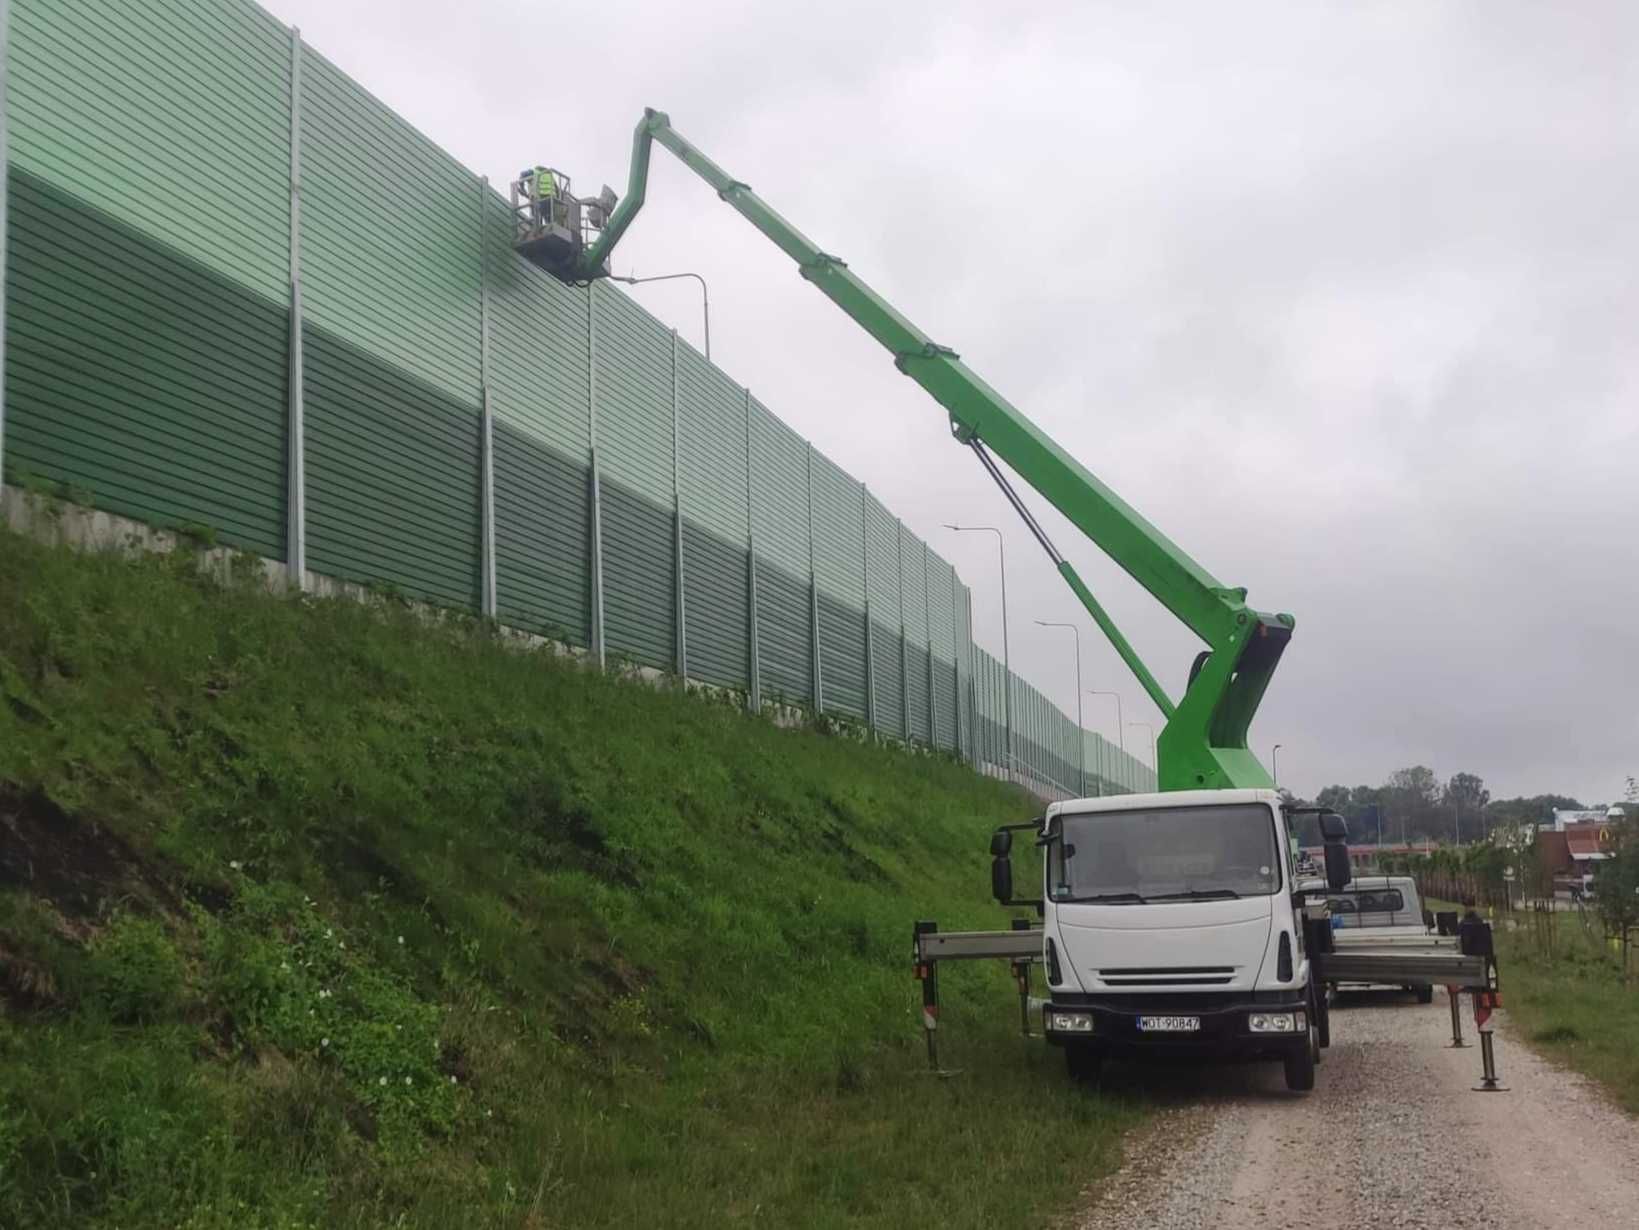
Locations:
(1425, 995)
(1084, 1062)
(1300, 1064)
(1320, 1022)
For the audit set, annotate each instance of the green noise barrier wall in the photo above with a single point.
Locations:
(225, 313)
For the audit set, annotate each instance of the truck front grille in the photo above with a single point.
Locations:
(1168, 976)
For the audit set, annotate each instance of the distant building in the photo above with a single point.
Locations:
(1573, 846)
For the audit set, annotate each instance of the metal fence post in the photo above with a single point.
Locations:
(816, 679)
(870, 632)
(755, 698)
(295, 428)
(487, 417)
(682, 630)
(596, 637)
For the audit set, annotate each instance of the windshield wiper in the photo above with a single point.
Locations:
(1112, 898)
(1199, 894)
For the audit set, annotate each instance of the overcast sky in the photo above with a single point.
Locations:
(1342, 297)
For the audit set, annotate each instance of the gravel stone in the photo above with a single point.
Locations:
(1392, 1137)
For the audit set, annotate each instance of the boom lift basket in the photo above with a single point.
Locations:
(551, 229)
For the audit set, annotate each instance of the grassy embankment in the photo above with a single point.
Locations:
(313, 913)
(1570, 1001)
(1566, 995)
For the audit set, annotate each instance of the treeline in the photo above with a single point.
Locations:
(1414, 805)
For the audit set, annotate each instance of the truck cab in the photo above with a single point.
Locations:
(1173, 924)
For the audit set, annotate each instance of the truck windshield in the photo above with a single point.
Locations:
(1164, 854)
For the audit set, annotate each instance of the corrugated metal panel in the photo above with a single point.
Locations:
(537, 344)
(963, 671)
(992, 732)
(638, 576)
(711, 464)
(842, 657)
(783, 617)
(839, 567)
(390, 235)
(779, 492)
(942, 623)
(632, 358)
(839, 533)
(634, 395)
(541, 537)
(779, 522)
(392, 476)
(714, 587)
(172, 117)
(882, 582)
(148, 380)
(890, 695)
(913, 562)
(711, 450)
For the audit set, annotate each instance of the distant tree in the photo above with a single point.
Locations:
(1616, 886)
(1537, 809)
(1411, 799)
(1467, 791)
(1466, 796)
(1334, 798)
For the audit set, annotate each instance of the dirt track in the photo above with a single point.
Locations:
(1392, 1136)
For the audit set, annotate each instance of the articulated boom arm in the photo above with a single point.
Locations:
(1204, 741)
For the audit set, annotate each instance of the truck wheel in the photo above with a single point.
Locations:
(1300, 1065)
(1323, 1018)
(1084, 1062)
(1425, 995)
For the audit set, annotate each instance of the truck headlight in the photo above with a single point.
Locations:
(1070, 1022)
(1277, 1022)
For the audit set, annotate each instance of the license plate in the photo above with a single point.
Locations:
(1169, 1024)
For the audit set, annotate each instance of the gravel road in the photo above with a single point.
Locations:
(1392, 1136)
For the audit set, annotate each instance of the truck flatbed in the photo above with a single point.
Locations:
(1398, 963)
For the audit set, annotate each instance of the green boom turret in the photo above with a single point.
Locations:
(1203, 743)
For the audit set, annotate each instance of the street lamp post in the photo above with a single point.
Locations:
(1274, 758)
(1081, 735)
(1007, 668)
(1120, 728)
(705, 296)
(1154, 768)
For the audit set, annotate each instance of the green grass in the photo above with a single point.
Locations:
(1572, 1004)
(320, 914)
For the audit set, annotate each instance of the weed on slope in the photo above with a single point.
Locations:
(330, 913)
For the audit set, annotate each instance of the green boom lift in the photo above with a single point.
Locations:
(1203, 744)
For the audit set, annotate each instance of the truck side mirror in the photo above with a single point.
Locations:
(1338, 871)
(1333, 827)
(1001, 843)
(1001, 879)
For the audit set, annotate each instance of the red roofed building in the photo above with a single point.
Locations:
(1570, 854)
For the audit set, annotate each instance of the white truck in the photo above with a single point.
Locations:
(1172, 924)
